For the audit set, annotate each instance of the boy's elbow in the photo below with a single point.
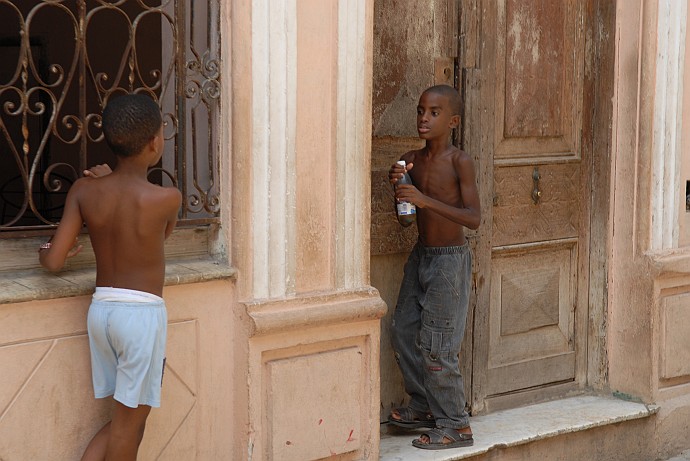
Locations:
(53, 267)
(50, 265)
(476, 221)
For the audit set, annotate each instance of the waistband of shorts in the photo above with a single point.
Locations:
(95, 303)
(124, 295)
(452, 250)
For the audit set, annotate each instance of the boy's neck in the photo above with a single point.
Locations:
(132, 166)
(436, 147)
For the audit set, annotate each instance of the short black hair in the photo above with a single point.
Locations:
(451, 94)
(130, 122)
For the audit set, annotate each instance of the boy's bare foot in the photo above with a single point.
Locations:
(408, 418)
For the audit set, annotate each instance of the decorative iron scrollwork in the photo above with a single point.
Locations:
(63, 60)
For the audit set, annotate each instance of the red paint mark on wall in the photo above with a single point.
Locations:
(320, 421)
(349, 437)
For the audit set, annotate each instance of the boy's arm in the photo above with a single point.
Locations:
(174, 201)
(469, 215)
(63, 243)
(98, 171)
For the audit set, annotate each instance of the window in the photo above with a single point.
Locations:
(62, 62)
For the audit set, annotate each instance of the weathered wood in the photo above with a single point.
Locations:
(597, 139)
(533, 300)
(531, 324)
(479, 141)
(387, 235)
(539, 79)
(517, 219)
(468, 52)
(414, 47)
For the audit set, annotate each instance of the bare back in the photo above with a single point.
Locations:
(449, 179)
(128, 219)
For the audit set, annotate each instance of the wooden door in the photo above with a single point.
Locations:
(524, 103)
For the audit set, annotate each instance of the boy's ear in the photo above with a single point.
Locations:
(153, 142)
(455, 121)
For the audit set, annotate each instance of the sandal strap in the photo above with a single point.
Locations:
(437, 434)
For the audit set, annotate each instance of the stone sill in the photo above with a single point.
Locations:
(37, 284)
(519, 426)
(670, 262)
(314, 309)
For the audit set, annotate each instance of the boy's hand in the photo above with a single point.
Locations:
(397, 171)
(409, 193)
(98, 171)
(75, 250)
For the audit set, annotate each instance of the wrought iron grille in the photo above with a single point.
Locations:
(62, 60)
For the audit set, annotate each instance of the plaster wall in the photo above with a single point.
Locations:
(630, 285)
(47, 407)
(649, 277)
(280, 361)
(307, 325)
(411, 39)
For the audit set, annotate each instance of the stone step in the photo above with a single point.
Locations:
(586, 418)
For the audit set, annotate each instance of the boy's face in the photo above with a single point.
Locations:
(434, 116)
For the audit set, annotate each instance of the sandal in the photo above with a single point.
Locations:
(438, 434)
(412, 419)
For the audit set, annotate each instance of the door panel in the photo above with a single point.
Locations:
(531, 316)
(517, 219)
(528, 334)
(538, 79)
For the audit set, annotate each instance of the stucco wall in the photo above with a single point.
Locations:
(47, 407)
(648, 322)
(308, 321)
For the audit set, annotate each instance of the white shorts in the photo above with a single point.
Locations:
(127, 342)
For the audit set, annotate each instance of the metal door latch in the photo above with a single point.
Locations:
(536, 192)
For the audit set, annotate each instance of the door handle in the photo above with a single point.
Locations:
(536, 191)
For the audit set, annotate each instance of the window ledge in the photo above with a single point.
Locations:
(36, 284)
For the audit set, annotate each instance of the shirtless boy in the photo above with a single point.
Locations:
(128, 219)
(429, 319)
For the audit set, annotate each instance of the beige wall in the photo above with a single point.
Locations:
(278, 360)
(307, 382)
(47, 408)
(648, 321)
(283, 361)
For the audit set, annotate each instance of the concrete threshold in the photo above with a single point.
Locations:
(519, 426)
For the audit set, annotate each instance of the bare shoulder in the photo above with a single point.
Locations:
(81, 187)
(460, 155)
(166, 196)
(410, 156)
(461, 159)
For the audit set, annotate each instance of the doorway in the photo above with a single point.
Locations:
(536, 80)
